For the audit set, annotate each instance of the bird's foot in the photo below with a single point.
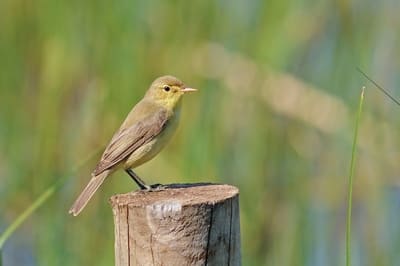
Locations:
(154, 187)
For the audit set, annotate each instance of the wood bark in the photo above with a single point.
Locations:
(184, 224)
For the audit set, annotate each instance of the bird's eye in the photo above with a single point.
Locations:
(167, 88)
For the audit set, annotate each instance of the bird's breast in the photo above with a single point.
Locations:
(147, 151)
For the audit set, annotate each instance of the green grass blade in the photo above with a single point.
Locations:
(38, 203)
(351, 177)
(25, 214)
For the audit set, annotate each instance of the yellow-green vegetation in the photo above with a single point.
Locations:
(274, 115)
(351, 180)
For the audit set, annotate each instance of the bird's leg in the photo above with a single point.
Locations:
(137, 179)
(142, 184)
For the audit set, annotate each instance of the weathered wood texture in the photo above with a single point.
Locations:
(194, 224)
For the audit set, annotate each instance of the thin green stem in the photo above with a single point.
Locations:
(351, 177)
(379, 87)
(33, 207)
(38, 203)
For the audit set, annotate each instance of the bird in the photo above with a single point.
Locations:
(146, 130)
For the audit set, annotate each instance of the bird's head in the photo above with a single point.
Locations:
(167, 91)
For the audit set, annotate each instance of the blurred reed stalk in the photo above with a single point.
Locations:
(46, 195)
(351, 177)
(31, 209)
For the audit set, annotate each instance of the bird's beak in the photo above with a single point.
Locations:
(188, 90)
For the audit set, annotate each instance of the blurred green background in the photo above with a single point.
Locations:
(274, 116)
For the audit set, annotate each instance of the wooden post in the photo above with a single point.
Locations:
(185, 224)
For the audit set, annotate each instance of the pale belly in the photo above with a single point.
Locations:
(152, 148)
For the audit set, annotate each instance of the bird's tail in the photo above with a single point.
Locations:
(88, 192)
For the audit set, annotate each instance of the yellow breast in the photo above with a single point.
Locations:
(152, 148)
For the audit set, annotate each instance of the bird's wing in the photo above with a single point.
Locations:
(127, 140)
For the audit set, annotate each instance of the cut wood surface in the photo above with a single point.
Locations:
(184, 224)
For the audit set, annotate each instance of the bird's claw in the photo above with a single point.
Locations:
(154, 187)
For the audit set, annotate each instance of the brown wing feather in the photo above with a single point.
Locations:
(127, 140)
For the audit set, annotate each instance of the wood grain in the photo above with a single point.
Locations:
(184, 224)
